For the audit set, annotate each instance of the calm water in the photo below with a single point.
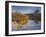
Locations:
(31, 25)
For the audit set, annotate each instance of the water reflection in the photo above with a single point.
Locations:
(31, 25)
(35, 21)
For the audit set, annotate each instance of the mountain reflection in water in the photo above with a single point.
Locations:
(31, 25)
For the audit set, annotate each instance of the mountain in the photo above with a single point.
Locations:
(34, 16)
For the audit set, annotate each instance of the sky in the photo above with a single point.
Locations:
(25, 9)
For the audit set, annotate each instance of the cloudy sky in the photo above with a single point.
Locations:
(25, 9)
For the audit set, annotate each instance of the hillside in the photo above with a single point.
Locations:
(34, 16)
